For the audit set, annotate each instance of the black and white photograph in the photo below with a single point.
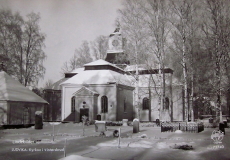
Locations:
(114, 80)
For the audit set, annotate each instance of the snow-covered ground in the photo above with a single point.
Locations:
(149, 143)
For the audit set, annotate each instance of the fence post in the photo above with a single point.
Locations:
(53, 132)
(119, 138)
(65, 148)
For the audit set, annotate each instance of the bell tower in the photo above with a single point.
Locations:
(115, 52)
(115, 42)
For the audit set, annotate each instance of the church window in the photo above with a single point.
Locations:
(145, 103)
(166, 103)
(104, 104)
(73, 104)
(125, 106)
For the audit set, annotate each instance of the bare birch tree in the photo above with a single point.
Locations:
(216, 29)
(22, 44)
(182, 20)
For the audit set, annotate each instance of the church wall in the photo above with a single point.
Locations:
(124, 103)
(67, 94)
(144, 114)
(155, 80)
(108, 90)
(53, 111)
(177, 103)
(155, 105)
(79, 104)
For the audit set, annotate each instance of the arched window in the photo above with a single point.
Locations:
(73, 104)
(166, 103)
(104, 104)
(145, 103)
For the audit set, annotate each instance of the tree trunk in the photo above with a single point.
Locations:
(185, 78)
(150, 97)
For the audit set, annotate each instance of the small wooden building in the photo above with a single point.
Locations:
(18, 104)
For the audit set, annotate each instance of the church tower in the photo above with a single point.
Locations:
(115, 52)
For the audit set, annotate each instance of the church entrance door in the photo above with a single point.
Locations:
(84, 112)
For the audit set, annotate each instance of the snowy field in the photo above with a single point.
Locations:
(149, 143)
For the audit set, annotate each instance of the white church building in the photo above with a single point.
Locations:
(105, 90)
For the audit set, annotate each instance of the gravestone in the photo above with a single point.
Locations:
(124, 122)
(210, 120)
(136, 124)
(221, 127)
(100, 126)
(157, 122)
(38, 120)
(98, 117)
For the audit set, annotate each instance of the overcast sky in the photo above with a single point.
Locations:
(66, 24)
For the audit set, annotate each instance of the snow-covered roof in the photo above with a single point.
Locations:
(78, 70)
(98, 77)
(98, 63)
(143, 68)
(103, 65)
(133, 67)
(12, 90)
(102, 62)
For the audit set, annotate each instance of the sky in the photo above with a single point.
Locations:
(66, 24)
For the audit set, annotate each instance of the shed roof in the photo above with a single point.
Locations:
(12, 90)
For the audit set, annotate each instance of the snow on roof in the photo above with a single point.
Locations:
(98, 63)
(144, 67)
(78, 70)
(12, 90)
(101, 62)
(133, 67)
(98, 77)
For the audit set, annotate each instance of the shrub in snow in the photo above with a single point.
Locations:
(183, 147)
(143, 136)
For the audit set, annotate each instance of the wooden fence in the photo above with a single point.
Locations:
(185, 127)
